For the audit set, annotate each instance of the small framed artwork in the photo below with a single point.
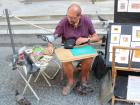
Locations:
(134, 6)
(115, 38)
(123, 6)
(123, 58)
(136, 33)
(116, 29)
(125, 40)
(136, 56)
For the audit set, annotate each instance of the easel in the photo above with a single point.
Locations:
(125, 69)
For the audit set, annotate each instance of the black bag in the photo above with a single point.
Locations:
(69, 43)
(98, 67)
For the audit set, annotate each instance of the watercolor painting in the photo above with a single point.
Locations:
(136, 33)
(123, 6)
(116, 29)
(136, 55)
(115, 38)
(125, 40)
(134, 6)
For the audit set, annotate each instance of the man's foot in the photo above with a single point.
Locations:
(84, 89)
(68, 88)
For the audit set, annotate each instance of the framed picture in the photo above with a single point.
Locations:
(134, 6)
(122, 34)
(136, 56)
(115, 38)
(116, 29)
(122, 5)
(136, 33)
(125, 40)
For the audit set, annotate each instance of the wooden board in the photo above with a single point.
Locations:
(65, 55)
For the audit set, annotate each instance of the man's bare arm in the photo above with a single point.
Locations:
(91, 38)
(94, 38)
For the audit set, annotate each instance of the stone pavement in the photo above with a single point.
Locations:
(10, 80)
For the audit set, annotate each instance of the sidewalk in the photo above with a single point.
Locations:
(10, 80)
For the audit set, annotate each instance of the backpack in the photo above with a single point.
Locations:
(99, 67)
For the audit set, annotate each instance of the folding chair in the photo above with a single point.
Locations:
(44, 68)
(27, 80)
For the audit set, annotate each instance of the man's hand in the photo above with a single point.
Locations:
(81, 40)
(94, 38)
(50, 48)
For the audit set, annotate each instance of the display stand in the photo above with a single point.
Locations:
(127, 11)
(129, 68)
(124, 32)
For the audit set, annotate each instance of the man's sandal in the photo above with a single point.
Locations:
(67, 89)
(84, 89)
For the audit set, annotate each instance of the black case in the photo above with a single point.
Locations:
(69, 43)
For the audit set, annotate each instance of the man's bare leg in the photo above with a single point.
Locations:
(86, 64)
(68, 70)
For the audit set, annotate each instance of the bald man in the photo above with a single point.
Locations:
(79, 27)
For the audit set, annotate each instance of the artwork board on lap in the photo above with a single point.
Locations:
(127, 35)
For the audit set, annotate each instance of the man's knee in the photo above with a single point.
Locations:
(68, 66)
(66, 63)
(87, 61)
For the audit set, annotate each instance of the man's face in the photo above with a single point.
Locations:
(73, 18)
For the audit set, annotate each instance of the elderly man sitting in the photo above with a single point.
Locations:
(77, 26)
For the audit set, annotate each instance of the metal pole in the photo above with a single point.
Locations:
(11, 37)
(10, 31)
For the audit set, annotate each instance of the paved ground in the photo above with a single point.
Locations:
(10, 80)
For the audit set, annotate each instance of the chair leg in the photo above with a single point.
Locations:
(59, 67)
(37, 77)
(28, 85)
(54, 73)
(113, 100)
(46, 79)
(47, 75)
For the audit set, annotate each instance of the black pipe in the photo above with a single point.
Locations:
(12, 40)
(10, 31)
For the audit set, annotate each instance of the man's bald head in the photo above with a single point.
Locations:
(75, 9)
(74, 14)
